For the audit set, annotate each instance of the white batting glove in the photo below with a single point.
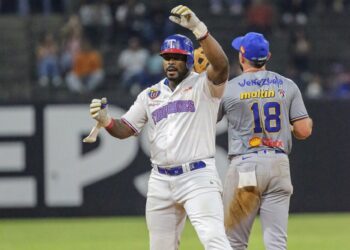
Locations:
(185, 17)
(98, 111)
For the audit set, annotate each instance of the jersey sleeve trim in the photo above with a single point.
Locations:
(299, 118)
(127, 123)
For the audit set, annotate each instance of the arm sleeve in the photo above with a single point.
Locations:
(297, 108)
(136, 116)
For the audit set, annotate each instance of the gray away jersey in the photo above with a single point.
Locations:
(260, 106)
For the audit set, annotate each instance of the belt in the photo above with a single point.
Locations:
(265, 151)
(177, 170)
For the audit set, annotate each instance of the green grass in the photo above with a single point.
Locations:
(306, 232)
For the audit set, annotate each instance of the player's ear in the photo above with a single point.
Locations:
(269, 56)
(241, 58)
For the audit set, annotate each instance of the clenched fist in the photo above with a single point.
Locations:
(98, 111)
(185, 17)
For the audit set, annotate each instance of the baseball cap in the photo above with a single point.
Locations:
(252, 45)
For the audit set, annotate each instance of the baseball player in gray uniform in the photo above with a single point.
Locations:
(181, 111)
(262, 108)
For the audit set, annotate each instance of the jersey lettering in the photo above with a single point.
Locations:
(171, 108)
(257, 94)
(261, 82)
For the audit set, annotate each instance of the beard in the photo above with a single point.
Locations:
(177, 76)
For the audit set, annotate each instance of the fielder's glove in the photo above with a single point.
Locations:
(98, 111)
(185, 17)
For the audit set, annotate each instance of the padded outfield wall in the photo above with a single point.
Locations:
(46, 170)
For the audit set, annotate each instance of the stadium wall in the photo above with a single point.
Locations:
(46, 170)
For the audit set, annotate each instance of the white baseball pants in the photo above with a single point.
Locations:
(197, 194)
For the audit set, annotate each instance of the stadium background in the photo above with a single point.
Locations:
(46, 171)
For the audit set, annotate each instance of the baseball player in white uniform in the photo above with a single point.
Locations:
(261, 107)
(181, 111)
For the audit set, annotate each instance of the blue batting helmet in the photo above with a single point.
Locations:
(179, 44)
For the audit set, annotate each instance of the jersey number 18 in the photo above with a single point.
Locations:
(272, 121)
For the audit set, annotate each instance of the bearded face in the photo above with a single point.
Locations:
(175, 66)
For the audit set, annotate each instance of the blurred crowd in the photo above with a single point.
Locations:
(74, 57)
(291, 18)
(116, 43)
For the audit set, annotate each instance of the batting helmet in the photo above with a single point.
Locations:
(200, 60)
(179, 44)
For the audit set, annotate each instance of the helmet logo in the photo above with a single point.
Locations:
(171, 43)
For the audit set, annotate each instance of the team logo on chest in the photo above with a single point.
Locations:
(153, 93)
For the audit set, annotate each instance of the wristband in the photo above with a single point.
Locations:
(110, 124)
(203, 37)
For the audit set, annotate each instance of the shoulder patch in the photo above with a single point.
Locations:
(153, 93)
(282, 93)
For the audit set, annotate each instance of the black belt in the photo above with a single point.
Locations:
(277, 151)
(177, 170)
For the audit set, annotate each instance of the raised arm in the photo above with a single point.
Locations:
(115, 127)
(218, 69)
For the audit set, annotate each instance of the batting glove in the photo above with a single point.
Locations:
(185, 17)
(98, 111)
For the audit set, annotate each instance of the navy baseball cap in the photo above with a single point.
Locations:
(253, 46)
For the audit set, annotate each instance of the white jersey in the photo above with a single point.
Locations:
(181, 122)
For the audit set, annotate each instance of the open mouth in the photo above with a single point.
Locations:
(171, 69)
